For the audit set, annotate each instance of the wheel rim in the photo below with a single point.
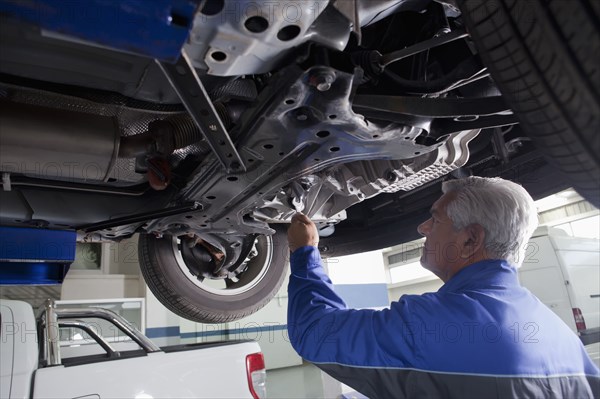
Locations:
(256, 270)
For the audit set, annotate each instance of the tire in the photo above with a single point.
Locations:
(543, 55)
(178, 290)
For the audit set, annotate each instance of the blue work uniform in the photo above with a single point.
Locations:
(481, 335)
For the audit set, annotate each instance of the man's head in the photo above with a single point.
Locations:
(477, 218)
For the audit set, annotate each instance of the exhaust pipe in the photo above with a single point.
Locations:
(56, 144)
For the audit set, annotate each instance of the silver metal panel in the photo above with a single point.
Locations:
(56, 144)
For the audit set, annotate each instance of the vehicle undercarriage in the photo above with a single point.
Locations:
(350, 112)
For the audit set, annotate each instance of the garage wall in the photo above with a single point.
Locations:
(118, 276)
(360, 279)
(415, 288)
(101, 287)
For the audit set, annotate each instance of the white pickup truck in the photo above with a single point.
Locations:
(62, 354)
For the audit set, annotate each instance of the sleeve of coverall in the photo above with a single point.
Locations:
(323, 330)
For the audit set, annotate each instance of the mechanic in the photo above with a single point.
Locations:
(480, 335)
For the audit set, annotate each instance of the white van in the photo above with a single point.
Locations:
(564, 273)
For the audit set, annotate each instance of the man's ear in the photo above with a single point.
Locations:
(474, 240)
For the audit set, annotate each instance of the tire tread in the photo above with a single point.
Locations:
(169, 292)
(536, 54)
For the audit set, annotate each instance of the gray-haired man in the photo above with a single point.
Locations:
(481, 335)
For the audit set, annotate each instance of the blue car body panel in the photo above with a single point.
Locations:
(157, 28)
(35, 256)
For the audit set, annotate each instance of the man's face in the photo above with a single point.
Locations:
(441, 253)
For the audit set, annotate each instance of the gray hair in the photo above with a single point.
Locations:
(504, 209)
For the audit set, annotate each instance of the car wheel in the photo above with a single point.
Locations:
(543, 56)
(207, 300)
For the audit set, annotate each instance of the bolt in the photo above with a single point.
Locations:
(322, 80)
(323, 85)
(391, 176)
(442, 32)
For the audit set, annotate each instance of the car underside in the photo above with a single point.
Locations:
(350, 112)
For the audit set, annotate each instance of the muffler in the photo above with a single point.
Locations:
(55, 144)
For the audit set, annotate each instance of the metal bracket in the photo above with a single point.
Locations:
(441, 127)
(432, 107)
(387, 59)
(142, 217)
(184, 79)
(349, 8)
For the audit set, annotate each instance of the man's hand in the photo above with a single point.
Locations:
(302, 232)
